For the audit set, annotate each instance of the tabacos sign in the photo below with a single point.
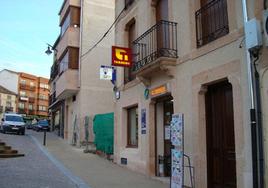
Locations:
(121, 56)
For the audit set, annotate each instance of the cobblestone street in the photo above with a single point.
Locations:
(34, 170)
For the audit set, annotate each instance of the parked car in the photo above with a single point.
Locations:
(12, 123)
(42, 125)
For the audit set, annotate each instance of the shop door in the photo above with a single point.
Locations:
(221, 162)
(168, 111)
(164, 111)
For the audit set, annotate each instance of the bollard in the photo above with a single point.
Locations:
(45, 135)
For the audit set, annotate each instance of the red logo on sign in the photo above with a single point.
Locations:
(121, 56)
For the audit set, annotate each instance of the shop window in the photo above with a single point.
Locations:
(132, 127)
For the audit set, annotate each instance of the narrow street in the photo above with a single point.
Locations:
(34, 170)
(59, 165)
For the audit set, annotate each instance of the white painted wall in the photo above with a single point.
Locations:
(9, 80)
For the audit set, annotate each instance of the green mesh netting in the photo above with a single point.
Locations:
(103, 127)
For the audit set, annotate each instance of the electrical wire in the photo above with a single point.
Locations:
(105, 34)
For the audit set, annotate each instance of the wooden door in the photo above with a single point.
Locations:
(221, 162)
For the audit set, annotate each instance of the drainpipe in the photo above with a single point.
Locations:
(255, 114)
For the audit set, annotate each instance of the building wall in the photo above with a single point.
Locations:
(3, 101)
(95, 96)
(9, 80)
(186, 81)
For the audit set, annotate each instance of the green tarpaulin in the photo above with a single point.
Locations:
(103, 127)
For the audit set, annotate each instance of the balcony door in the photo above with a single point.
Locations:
(162, 14)
(213, 16)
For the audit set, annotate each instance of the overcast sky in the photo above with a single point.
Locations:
(25, 28)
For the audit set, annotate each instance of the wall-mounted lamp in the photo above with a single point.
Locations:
(49, 51)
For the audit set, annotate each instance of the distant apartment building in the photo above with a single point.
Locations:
(76, 89)
(189, 57)
(7, 101)
(33, 95)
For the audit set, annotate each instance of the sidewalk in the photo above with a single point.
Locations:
(94, 170)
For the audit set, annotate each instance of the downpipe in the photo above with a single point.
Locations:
(255, 113)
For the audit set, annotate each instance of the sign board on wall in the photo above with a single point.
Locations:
(121, 56)
(106, 72)
(177, 154)
(143, 121)
(158, 90)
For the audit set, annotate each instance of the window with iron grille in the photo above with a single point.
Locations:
(211, 21)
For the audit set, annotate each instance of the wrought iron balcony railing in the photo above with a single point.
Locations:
(54, 71)
(211, 22)
(159, 41)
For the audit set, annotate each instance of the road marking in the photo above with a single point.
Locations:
(76, 180)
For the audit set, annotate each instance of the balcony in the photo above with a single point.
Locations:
(70, 38)
(211, 22)
(156, 47)
(65, 7)
(27, 87)
(67, 84)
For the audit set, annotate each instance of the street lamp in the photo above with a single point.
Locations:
(49, 51)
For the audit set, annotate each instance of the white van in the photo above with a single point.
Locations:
(12, 123)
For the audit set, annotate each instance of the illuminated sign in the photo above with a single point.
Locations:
(159, 90)
(121, 56)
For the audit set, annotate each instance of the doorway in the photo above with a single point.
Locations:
(164, 110)
(221, 157)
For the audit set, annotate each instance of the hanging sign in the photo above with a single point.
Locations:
(121, 56)
(106, 72)
(143, 121)
(177, 154)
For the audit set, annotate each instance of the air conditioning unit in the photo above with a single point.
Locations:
(253, 34)
(265, 27)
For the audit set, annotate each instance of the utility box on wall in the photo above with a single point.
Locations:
(253, 34)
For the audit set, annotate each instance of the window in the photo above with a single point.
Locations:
(21, 105)
(128, 73)
(23, 93)
(8, 104)
(211, 21)
(30, 107)
(66, 23)
(43, 97)
(132, 127)
(72, 18)
(32, 84)
(8, 97)
(64, 62)
(44, 86)
(42, 108)
(23, 82)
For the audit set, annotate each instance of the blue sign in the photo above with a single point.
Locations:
(143, 121)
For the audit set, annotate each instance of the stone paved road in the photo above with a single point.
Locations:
(34, 170)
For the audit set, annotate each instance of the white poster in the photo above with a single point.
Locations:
(177, 130)
(106, 72)
(167, 132)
